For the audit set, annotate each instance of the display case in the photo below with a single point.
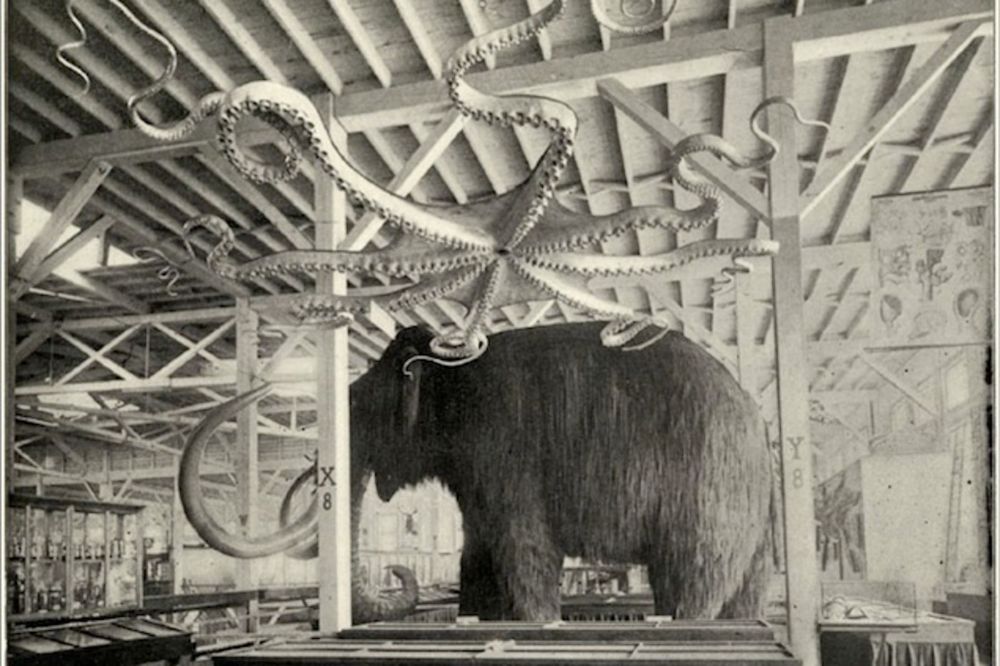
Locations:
(69, 556)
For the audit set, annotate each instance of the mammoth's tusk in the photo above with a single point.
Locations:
(189, 487)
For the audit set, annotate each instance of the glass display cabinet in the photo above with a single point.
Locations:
(68, 557)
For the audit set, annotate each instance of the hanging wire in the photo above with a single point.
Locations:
(61, 50)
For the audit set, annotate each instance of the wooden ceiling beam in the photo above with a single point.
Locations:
(946, 100)
(299, 34)
(44, 109)
(352, 24)
(879, 26)
(891, 111)
(411, 17)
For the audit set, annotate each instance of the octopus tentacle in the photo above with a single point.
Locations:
(387, 262)
(606, 227)
(608, 265)
(75, 44)
(520, 110)
(295, 109)
(724, 150)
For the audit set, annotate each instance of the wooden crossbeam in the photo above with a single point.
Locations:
(65, 212)
(444, 169)
(431, 148)
(194, 349)
(907, 94)
(669, 134)
(59, 256)
(97, 356)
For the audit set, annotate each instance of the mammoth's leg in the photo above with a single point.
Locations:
(750, 600)
(663, 585)
(687, 577)
(479, 593)
(529, 563)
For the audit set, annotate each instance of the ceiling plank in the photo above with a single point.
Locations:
(299, 35)
(411, 17)
(361, 38)
(241, 38)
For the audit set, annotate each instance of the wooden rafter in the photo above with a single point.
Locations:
(411, 17)
(299, 34)
(361, 38)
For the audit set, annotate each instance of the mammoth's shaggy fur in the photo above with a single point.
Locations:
(555, 445)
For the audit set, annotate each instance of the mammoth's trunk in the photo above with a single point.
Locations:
(368, 603)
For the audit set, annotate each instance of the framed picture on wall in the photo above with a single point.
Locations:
(932, 255)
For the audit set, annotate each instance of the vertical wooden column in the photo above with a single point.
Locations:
(802, 574)
(246, 442)
(12, 226)
(333, 409)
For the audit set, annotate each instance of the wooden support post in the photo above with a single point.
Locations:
(802, 575)
(333, 411)
(12, 225)
(246, 440)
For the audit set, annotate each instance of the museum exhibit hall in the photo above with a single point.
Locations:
(519, 331)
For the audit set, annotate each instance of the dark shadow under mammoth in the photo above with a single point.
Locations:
(555, 446)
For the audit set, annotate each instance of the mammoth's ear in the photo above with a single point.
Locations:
(410, 396)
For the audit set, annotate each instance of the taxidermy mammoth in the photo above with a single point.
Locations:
(554, 445)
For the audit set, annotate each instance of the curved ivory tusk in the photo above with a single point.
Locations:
(189, 486)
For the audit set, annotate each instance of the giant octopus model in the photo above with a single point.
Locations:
(519, 246)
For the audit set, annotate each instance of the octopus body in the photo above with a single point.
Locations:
(519, 246)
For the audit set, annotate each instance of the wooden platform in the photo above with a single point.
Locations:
(314, 652)
(677, 643)
(747, 631)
